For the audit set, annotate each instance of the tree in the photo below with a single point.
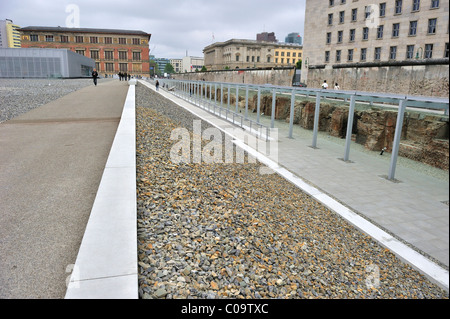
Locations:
(299, 64)
(169, 69)
(204, 69)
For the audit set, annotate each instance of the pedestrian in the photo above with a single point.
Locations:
(325, 85)
(120, 76)
(157, 85)
(95, 76)
(336, 86)
(125, 76)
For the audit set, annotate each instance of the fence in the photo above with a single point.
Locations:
(196, 92)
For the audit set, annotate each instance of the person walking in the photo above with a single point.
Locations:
(157, 85)
(325, 85)
(336, 86)
(95, 76)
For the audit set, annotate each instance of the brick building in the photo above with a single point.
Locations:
(112, 50)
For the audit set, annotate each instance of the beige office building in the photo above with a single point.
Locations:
(369, 33)
(245, 54)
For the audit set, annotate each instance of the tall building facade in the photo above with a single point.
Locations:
(357, 33)
(266, 36)
(114, 51)
(294, 37)
(9, 34)
(244, 54)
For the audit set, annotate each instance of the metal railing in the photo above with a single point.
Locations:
(196, 92)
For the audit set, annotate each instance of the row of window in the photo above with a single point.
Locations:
(80, 39)
(109, 55)
(410, 50)
(369, 11)
(123, 67)
(288, 54)
(380, 31)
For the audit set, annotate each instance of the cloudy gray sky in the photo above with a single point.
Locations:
(176, 26)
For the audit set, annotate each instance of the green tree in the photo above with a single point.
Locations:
(204, 69)
(299, 64)
(169, 69)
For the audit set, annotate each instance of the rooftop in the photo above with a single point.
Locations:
(84, 30)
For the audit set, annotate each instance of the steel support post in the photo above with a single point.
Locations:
(348, 139)
(316, 121)
(291, 116)
(237, 98)
(397, 136)
(258, 107)
(246, 102)
(272, 116)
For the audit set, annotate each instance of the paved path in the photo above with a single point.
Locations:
(412, 210)
(51, 164)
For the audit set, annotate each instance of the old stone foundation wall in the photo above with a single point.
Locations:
(425, 80)
(425, 137)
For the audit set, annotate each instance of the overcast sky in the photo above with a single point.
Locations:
(176, 26)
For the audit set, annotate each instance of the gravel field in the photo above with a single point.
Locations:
(19, 96)
(209, 231)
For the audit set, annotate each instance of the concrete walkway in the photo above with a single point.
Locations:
(51, 164)
(409, 216)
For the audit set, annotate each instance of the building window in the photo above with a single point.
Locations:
(108, 40)
(377, 55)
(393, 53)
(398, 6)
(64, 39)
(331, 3)
(122, 41)
(338, 56)
(446, 51)
(412, 28)
(340, 36)
(109, 55)
(237, 58)
(136, 41)
(330, 19)
(79, 39)
(367, 12)
(432, 26)
(341, 16)
(410, 52)
(416, 5)
(350, 55)
(109, 67)
(136, 56)
(365, 33)
(327, 56)
(282, 60)
(428, 51)
(122, 55)
(352, 35)
(395, 30)
(253, 59)
(49, 38)
(80, 52)
(34, 38)
(380, 30)
(434, 4)
(382, 9)
(363, 54)
(268, 59)
(94, 55)
(328, 37)
(248, 58)
(123, 67)
(93, 39)
(354, 14)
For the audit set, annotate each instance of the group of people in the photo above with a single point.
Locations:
(124, 76)
(325, 85)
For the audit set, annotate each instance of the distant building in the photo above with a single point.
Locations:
(9, 34)
(244, 54)
(114, 51)
(265, 36)
(192, 64)
(161, 63)
(177, 65)
(294, 38)
(43, 63)
(344, 36)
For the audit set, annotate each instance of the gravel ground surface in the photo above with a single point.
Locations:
(210, 231)
(19, 96)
